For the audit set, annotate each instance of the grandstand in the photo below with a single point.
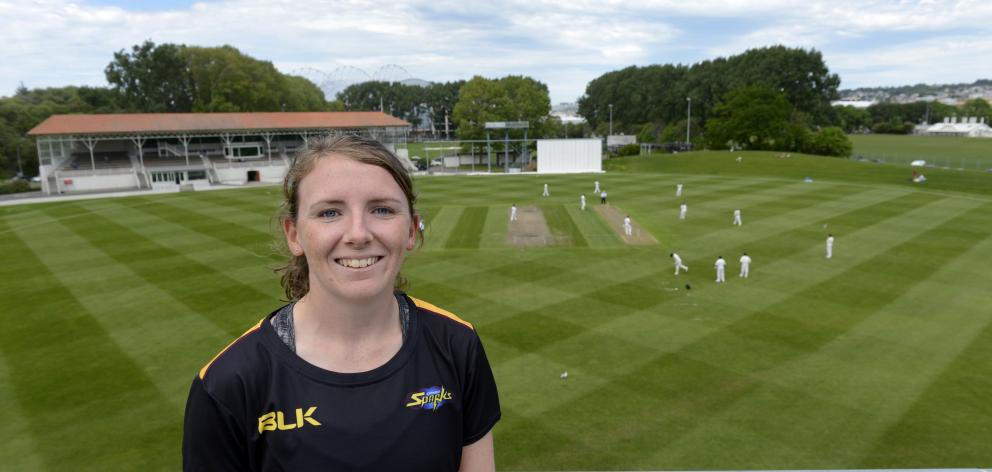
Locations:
(86, 153)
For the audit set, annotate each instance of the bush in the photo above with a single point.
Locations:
(15, 186)
(893, 126)
(830, 142)
(629, 150)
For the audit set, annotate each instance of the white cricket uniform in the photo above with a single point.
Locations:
(678, 190)
(596, 190)
(582, 200)
(678, 263)
(737, 217)
(513, 213)
(830, 247)
(546, 193)
(720, 266)
(745, 265)
(683, 208)
(627, 228)
(421, 225)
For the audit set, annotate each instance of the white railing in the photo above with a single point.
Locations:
(248, 164)
(87, 172)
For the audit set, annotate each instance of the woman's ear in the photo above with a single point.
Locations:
(292, 236)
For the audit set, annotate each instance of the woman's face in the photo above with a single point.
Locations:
(354, 227)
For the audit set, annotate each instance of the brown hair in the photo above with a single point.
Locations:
(296, 274)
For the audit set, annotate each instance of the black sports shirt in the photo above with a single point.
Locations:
(258, 406)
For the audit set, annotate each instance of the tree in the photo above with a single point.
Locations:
(830, 141)
(512, 98)
(408, 102)
(480, 100)
(658, 92)
(152, 78)
(28, 107)
(754, 117)
(851, 119)
(180, 78)
(978, 108)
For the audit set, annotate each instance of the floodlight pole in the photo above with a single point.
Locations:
(688, 120)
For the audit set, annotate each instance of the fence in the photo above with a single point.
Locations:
(943, 162)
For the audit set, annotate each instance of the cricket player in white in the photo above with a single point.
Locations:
(678, 263)
(596, 190)
(720, 266)
(546, 193)
(513, 212)
(745, 265)
(627, 228)
(737, 217)
(678, 190)
(582, 200)
(683, 208)
(830, 246)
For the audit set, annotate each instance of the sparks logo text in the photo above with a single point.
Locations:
(429, 398)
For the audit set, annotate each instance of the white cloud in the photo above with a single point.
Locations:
(949, 59)
(562, 43)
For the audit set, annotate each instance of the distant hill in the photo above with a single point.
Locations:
(946, 93)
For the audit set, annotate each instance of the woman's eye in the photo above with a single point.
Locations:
(383, 211)
(329, 214)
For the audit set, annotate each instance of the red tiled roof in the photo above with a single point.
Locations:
(132, 123)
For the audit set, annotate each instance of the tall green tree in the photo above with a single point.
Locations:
(180, 78)
(152, 78)
(408, 102)
(511, 98)
(480, 100)
(658, 93)
(28, 107)
(754, 117)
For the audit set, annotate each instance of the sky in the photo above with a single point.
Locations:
(564, 44)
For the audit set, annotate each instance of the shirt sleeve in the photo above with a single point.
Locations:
(481, 398)
(212, 437)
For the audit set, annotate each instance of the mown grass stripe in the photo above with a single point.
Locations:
(565, 231)
(592, 228)
(689, 358)
(169, 270)
(235, 235)
(468, 231)
(20, 449)
(439, 227)
(807, 351)
(66, 371)
(111, 292)
(495, 228)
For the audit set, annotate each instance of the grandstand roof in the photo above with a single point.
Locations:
(138, 123)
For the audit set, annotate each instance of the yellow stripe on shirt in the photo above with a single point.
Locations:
(250, 330)
(441, 311)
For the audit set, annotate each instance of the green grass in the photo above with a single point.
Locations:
(942, 151)
(877, 358)
(562, 227)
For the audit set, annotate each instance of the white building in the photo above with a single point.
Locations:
(104, 152)
(969, 127)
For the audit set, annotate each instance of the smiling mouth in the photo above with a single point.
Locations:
(358, 263)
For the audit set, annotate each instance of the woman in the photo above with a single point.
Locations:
(351, 375)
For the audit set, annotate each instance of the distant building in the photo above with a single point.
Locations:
(969, 127)
(568, 113)
(128, 151)
(853, 103)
